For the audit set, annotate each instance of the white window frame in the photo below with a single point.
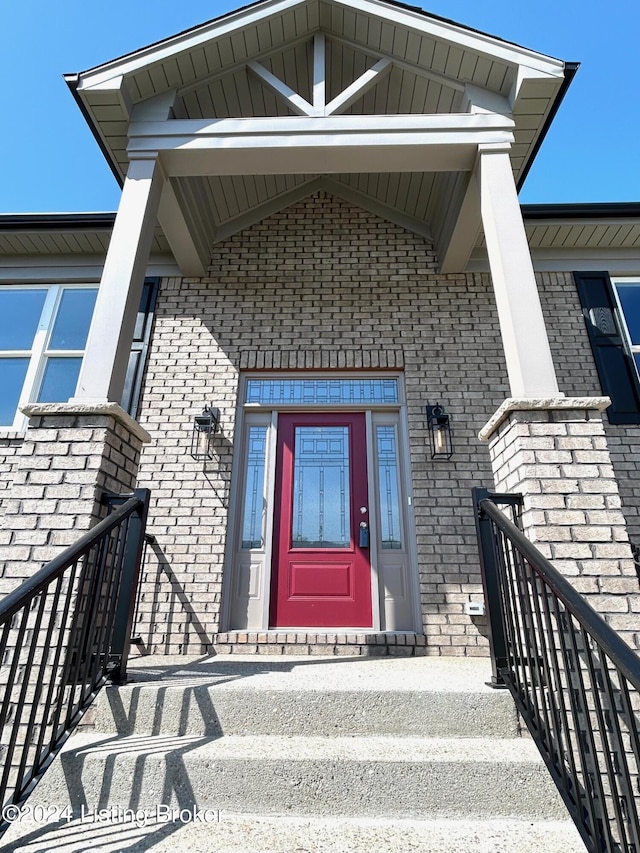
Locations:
(634, 349)
(40, 352)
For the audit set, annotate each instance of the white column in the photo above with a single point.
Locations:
(524, 334)
(106, 357)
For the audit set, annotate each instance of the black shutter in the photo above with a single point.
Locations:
(615, 366)
(139, 347)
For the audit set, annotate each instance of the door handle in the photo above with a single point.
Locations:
(364, 534)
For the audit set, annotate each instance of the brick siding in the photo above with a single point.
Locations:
(321, 284)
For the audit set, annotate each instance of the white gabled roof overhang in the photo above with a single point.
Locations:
(379, 102)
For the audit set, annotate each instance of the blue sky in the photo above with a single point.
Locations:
(52, 163)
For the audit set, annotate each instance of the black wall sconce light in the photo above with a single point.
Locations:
(439, 432)
(205, 427)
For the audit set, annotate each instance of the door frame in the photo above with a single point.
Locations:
(251, 414)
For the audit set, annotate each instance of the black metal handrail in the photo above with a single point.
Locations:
(575, 681)
(63, 633)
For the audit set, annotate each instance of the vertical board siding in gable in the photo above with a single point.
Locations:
(500, 78)
(440, 57)
(406, 86)
(360, 29)
(158, 79)
(232, 96)
(201, 67)
(374, 33)
(186, 67)
(172, 73)
(468, 66)
(387, 34)
(454, 62)
(238, 47)
(482, 71)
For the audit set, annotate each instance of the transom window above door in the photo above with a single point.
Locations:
(322, 391)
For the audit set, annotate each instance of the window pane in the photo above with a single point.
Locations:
(319, 391)
(73, 318)
(20, 312)
(629, 295)
(254, 488)
(388, 486)
(60, 380)
(321, 488)
(12, 374)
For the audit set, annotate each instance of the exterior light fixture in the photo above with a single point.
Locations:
(439, 432)
(204, 428)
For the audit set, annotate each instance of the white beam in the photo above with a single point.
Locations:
(319, 74)
(190, 257)
(295, 102)
(319, 145)
(157, 108)
(359, 87)
(109, 342)
(524, 334)
(460, 234)
(479, 100)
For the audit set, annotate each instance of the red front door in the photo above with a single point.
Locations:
(321, 576)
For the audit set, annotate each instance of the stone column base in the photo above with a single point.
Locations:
(554, 452)
(71, 455)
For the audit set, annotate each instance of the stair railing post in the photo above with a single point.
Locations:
(129, 579)
(491, 587)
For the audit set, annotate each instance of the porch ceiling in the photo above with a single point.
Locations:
(433, 67)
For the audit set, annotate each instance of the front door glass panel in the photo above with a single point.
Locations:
(252, 517)
(321, 517)
(388, 490)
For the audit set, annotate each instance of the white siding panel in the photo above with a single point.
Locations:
(386, 37)
(412, 47)
(440, 57)
(238, 47)
(454, 62)
(186, 67)
(482, 71)
(226, 52)
(201, 65)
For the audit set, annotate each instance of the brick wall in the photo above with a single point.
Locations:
(577, 376)
(320, 283)
(10, 444)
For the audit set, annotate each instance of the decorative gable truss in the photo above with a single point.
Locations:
(382, 105)
(209, 146)
(299, 106)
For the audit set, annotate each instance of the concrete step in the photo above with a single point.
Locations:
(299, 755)
(419, 697)
(247, 833)
(340, 776)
